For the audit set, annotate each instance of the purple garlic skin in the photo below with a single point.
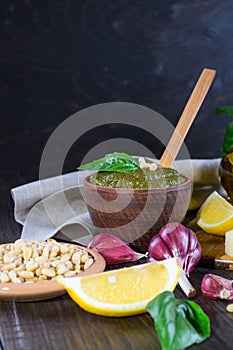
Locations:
(113, 249)
(176, 240)
(217, 287)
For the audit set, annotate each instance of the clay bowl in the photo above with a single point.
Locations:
(226, 174)
(136, 215)
(226, 179)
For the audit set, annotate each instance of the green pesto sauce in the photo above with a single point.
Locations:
(161, 177)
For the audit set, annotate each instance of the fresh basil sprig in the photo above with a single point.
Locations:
(116, 161)
(228, 137)
(179, 323)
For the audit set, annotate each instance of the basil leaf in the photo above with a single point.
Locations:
(227, 110)
(116, 161)
(179, 323)
(228, 138)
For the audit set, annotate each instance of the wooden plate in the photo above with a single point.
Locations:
(24, 292)
(213, 249)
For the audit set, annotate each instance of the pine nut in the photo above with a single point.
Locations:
(26, 261)
(27, 253)
(4, 277)
(76, 258)
(229, 308)
(70, 274)
(66, 257)
(61, 269)
(84, 257)
(32, 266)
(88, 263)
(48, 272)
(26, 274)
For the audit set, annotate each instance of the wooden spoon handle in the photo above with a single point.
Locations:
(189, 113)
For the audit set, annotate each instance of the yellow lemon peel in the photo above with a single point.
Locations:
(125, 291)
(215, 215)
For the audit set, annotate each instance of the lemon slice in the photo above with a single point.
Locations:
(125, 291)
(215, 215)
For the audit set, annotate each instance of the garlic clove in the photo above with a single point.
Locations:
(176, 240)
(113, 249)
(217, 287)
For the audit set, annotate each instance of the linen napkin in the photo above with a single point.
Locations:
(55, 206)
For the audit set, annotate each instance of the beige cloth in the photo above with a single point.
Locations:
(55, 206)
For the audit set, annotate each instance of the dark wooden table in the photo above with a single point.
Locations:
(60, 324)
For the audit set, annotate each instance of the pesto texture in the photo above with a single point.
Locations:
(140, 178)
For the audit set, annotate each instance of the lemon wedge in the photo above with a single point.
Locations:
(125, 291)
(215, 215)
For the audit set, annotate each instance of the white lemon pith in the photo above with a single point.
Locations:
(215, 215)
(125, 291)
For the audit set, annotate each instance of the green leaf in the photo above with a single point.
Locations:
(227, 110)
(228, 138)
(179, 323)
(116, 161)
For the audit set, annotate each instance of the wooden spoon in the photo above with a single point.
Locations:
(187, 117)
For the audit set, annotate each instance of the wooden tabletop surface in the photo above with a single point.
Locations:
(61, 324)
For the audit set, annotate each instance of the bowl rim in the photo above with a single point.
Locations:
(182, 185)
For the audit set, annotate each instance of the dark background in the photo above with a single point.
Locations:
(58, 57)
